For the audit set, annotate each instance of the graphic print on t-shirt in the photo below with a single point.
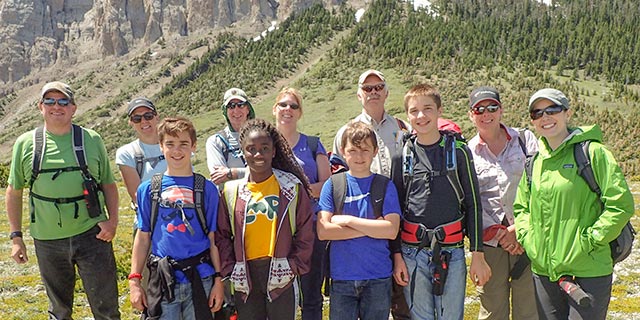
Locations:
(176, 194)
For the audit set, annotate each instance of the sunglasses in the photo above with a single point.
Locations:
(63, 102)
(537, 114)
(293, 106)
(481, 110)
(147, 116)
(233, 105)
(377, 87)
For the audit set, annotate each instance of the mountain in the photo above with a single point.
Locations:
(38, 33)
(589, 50)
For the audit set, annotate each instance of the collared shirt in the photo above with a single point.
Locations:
(499, 175)
(389, 135)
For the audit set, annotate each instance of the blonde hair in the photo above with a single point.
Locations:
(288, 91)
(422, 90)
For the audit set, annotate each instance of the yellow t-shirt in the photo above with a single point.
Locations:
(261, 219)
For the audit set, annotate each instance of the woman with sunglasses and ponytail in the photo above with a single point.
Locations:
(312, 157)
(499, 153)
(224, 154)
(564, 227)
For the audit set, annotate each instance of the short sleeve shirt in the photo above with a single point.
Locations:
(360, 258)
(126, 155)
(63, 220)
(171, 237)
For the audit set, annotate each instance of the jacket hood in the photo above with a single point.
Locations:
(576, 135)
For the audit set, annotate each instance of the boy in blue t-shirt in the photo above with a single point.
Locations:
(360, 263)
(183, 258)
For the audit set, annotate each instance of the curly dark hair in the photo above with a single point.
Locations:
(284, 158)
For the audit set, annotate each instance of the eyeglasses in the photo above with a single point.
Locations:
(293, 106)
(377, 87)
(233, 105)
(537, 114)
(63, 102)
(137, 118)
(481, 109)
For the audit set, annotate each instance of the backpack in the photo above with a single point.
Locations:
(198, 197)
(622, 245)
(89, 184)
(339, 191)
(451, 165)
(236, 153)
(141, 160)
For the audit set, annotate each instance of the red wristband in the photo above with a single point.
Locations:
(134, 275)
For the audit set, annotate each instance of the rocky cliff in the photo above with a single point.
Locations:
(35, 34)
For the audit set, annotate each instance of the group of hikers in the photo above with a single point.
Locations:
(378, 224)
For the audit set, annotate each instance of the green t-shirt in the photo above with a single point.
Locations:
(59, 221)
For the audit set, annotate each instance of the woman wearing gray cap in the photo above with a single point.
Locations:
(224, 154)
(564, 227)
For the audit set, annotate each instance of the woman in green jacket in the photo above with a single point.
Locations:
(564, 227)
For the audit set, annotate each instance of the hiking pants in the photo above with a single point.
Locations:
(500, 289)
(554, 304)
(311, 283)
(57, 260)
(258, 306)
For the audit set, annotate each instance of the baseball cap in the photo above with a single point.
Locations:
(235, 93)
(483, 93)
(368, 73)
(554, 95)
(140, 102)
(60, 87)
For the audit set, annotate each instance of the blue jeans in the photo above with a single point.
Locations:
(58, 259)
(367, 299)
(424, 305)
(182, 306)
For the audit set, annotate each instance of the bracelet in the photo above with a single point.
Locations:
(217, 275)
(134, 275)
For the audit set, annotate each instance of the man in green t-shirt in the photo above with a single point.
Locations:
(66, 234)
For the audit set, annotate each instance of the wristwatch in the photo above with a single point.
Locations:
(229, 173)
(217, 275)
(15, 234)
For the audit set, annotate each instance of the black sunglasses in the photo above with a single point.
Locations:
(481, 109)
(233, 105)
(63, 102)
(377, 87)
(537, 113)
(293, 106)
(137, 118)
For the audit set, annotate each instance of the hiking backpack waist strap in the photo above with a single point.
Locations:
(448, 233)
(57, 200)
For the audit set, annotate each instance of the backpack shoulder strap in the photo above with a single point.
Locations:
(522, 138)
(585, 170)
(227, 146)
(528, 168)
(312, 144)
(156, 189)
(78, 149)
(39, 148)
(339, 184)
(401, 124)
(139, 157)
(451, 165)
(377, 192)
(230, 195)
(293, 209)
(198, 195)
